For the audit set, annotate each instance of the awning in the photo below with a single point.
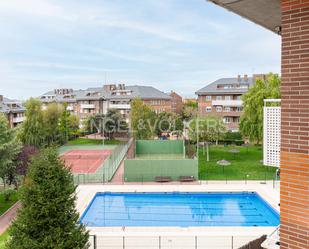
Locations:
(266, 13)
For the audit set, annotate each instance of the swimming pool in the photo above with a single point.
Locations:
(179, 209)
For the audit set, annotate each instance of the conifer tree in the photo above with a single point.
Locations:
(48, 218)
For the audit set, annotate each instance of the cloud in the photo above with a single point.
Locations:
(48, 65)
(41, 8)
(171, 44)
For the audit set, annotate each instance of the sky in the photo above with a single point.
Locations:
(180, 45)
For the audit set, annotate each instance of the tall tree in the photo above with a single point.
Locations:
(23, 159)
(51, 119)
(73, 126)
(251, 122)
(33, 131)
(208, 129)
(142, 120)
(190, 110)
(114, 122)
(9, 148)
(68, 124)
(168, 122)
(48, 218)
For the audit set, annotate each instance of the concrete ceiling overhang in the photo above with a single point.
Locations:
(266, 13)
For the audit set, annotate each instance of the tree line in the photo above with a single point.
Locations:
(29, 161)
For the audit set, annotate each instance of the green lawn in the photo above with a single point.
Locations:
(3, 239)
(88, 141)
(244, 164)
(5, 205)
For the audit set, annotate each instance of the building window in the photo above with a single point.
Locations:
(208, 98)
(238, 97)
(219, 109)
(218, 97)
(227, 120)
(227, 109)
(227, 98)
(208, 109)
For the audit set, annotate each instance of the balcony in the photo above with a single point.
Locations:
(18, 119)
(87, 106)
(70, 108)
(231, 103)
(120, 106)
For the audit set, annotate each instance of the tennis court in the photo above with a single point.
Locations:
(85, 161)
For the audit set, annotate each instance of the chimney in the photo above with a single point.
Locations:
(238, 77)
(246, 77)
(1, 98)
(109, 87)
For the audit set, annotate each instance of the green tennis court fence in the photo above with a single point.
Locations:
(159, 147)
(148, 170)
(106, 172)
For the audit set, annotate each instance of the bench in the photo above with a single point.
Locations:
(186, 178)
(163, 179)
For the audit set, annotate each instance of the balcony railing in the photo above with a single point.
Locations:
(18, 119)
(87, 106)
(120, 106)
(233, 103)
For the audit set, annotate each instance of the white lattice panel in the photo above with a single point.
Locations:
(272, 135)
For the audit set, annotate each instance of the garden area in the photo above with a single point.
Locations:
(244, 164)
(8, 198)
(3, 238)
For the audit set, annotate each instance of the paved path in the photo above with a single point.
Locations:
(8, 216)
(118, 176)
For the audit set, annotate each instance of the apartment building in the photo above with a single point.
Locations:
(120, 96)
(84, 103)
(177, 102)
(13, 109)
(79, 102)
(223, 98)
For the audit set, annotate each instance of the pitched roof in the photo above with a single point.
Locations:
(89, 94)
(94, 93)
(147, 92)
(213, 87)
(5, 106)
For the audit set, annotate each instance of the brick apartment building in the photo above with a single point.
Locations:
(290, 19)
(13, 109)
(223, 98)
(177, 102)
(99, 100)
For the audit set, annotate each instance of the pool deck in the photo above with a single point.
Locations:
(244, 234)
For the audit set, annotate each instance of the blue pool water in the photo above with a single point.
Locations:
(179, 209)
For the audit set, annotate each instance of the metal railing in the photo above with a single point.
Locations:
(106, 172)
(169, 242)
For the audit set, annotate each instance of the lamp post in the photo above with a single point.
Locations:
(103, 128)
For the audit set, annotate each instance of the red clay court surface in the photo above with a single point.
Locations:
(85, 161)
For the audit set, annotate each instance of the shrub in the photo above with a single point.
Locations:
(7, 194)
(232, 136)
